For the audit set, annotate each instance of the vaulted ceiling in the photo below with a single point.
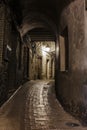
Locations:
(51, 8)
(29, 14)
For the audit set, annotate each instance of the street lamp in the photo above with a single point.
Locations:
(46, 48)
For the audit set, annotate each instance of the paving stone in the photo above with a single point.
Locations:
(35, 107)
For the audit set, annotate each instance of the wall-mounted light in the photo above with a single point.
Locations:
(46, 48)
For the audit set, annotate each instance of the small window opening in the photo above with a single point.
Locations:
(64, 51)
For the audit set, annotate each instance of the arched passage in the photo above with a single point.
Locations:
(37, 20)
(41, 45)
(37, 27)
(53, 16)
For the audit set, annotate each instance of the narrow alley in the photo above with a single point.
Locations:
(34, 107)
(43, 64)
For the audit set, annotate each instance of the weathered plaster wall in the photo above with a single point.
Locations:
(71, 85)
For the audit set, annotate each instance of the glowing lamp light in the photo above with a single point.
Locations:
(47, 49)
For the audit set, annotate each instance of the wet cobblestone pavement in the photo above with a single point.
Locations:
(34, 107)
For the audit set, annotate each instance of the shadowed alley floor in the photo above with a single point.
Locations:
(34, 107)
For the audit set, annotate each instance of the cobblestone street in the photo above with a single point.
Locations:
(34, 107)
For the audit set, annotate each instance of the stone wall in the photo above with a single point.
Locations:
(8, 59)
(71, 84)
(2, 24)
(3, 65)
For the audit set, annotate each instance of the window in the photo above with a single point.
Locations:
(64, 51)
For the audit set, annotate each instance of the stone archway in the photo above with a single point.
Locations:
(37, 20)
